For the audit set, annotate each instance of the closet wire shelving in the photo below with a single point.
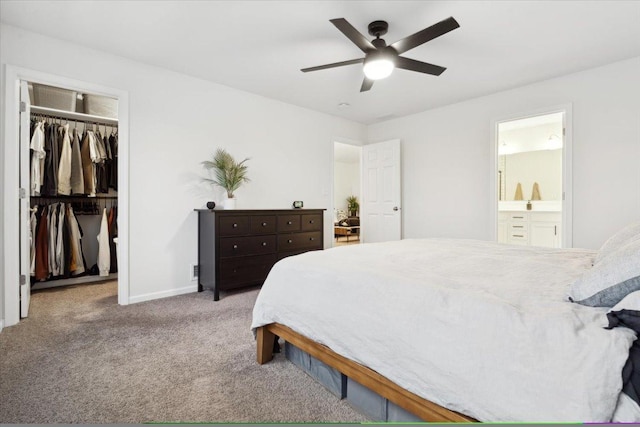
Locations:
(87, 120)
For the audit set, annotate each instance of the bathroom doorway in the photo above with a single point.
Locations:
(532, 173)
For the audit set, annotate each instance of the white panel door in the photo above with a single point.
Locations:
(25, 243)
(381, 174)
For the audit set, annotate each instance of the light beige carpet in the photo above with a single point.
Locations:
(81, 358)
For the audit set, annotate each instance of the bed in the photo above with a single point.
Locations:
(454, 330)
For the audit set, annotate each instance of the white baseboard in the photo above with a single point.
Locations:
(162, 294)
(1, 324)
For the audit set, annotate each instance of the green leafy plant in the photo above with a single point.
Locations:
(353, 205)
(227, 173)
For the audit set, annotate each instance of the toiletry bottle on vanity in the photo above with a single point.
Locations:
(528, 205)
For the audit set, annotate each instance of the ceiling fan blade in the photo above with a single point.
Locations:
(335, 64)
(430, 33)
(419, 66)
(366, 84)
(352, 34)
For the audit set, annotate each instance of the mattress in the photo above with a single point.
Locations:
(478, 327)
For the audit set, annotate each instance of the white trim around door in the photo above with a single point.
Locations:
(10, 184)
(567, 168)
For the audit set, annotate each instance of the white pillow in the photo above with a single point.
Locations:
(629, 233)
(611, 279)
(630, 302)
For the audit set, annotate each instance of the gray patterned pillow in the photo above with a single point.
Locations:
(611, 279)
(615, 242)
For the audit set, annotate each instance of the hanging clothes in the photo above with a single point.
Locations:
(77, 265)
(33, 224)
(102, 183)
(64, 168)
(60, 241)
(88, 152)
(112, 223)
(74, 164)
(113, 144)
(77, 179)
(104, 254)
(37, 159)
(42, 246)
(51, 237)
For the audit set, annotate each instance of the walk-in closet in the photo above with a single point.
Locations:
(72, 189)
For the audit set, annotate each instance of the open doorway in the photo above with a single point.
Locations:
(346, 193)
(62, 109)
(531, 180)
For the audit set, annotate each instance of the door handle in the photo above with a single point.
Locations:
(395, 208)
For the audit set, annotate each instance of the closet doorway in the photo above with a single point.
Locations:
(532, 180)
(71, 177)
(346, 193)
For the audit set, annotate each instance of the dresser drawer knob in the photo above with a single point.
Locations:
(289, 222)
(289, 241)
(235, 246)
(235, 225)
(311, 238)
(264, 243)
(311, 221)
(264, 224)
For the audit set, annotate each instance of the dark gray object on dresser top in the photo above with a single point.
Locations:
(237, 248)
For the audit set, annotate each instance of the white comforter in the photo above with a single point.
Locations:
(478, 327)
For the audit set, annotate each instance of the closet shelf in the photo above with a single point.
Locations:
(81, 117)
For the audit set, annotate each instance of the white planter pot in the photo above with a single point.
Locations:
(229, 203)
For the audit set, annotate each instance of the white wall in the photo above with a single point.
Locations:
(447, 166)
(346, 183)
(527, 168)
(176, 122)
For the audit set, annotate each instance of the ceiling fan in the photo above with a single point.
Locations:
(379, 59)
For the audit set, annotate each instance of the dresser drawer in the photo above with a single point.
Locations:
(236, 272)
(293, 242)
(518, 236)
(263, 224)
(519, 216)
(248, 245)
(311, 222)
(233, 225)
(518, 227)
(288, 223)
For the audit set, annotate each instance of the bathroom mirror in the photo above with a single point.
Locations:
(530, 153)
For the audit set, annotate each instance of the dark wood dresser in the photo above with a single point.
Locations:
(237, 248)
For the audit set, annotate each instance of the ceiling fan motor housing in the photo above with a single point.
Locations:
(378, 28)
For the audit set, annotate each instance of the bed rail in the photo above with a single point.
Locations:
(407, 400)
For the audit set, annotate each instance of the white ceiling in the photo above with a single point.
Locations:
(260, 46)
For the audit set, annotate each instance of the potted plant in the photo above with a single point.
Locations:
(353, 205)
(227, 173)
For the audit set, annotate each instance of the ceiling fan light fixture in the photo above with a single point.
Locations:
(378, 68)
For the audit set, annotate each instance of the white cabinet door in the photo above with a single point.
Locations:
(545, 229)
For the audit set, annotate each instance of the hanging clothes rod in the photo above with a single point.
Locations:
(80, 117)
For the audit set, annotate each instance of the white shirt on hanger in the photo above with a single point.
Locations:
(37, 159)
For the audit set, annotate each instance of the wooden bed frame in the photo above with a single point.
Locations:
(407, 400)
